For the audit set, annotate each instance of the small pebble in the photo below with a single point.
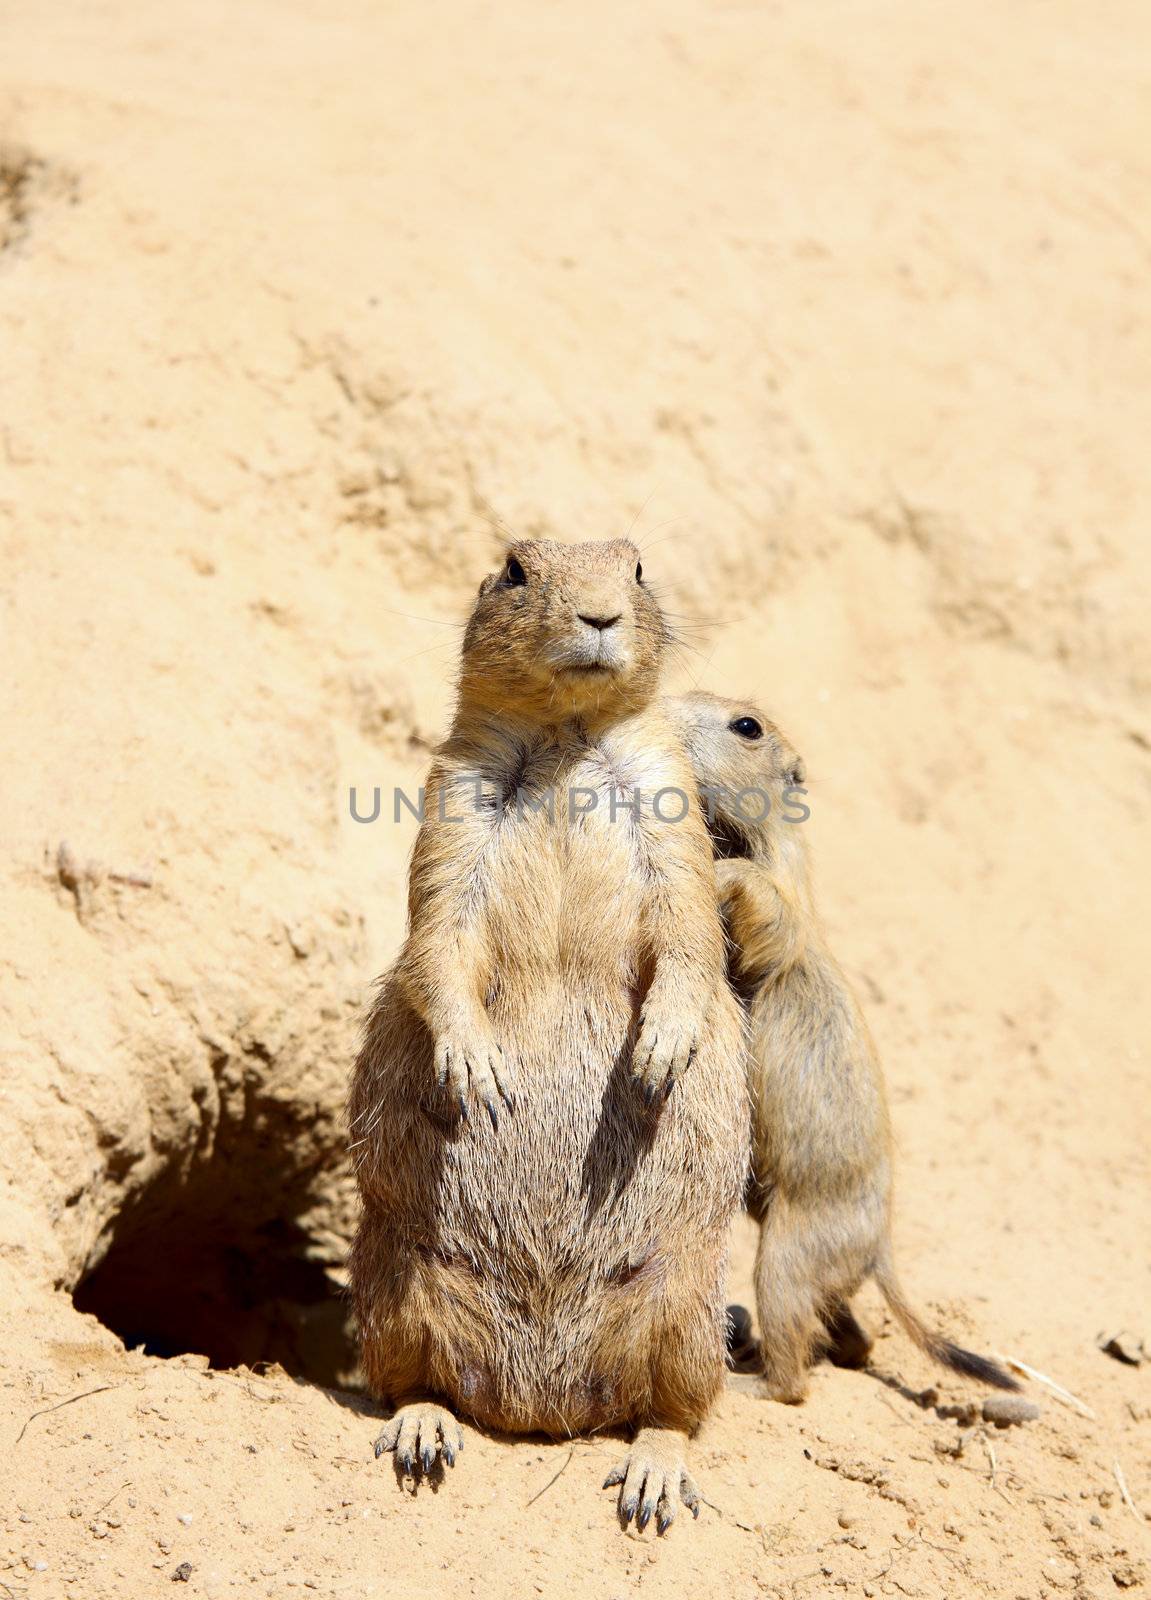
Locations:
(846, 1520)
(186, 1518)
(1005, 1409)
(182, 1573)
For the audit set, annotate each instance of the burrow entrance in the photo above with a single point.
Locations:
(193, 1267)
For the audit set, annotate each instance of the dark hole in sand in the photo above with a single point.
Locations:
(189, 1272)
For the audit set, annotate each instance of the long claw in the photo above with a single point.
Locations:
(428, 1457)
(492, 1113)
(387, 1437)
(614, 1476)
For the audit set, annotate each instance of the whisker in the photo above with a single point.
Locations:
(440, 644)
(703, 668)
(651, 543)
(492, 517)
(414, 616)
(638, 515)
(697, 624)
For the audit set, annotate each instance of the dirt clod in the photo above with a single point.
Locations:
(1004, 1410)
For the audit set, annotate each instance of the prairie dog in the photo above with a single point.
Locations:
(555, 1262)
(821, 1136)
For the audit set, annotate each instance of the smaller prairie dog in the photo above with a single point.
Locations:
(821, 1136)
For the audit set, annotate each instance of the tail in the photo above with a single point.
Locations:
(933, 1344)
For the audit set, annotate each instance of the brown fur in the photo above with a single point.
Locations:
(821, 1136)
(554, 1262)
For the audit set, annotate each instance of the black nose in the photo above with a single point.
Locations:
(599, 622)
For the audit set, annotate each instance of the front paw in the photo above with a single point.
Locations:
(472, 1064)
(729, 872)
(730, 878)
(667, 1043)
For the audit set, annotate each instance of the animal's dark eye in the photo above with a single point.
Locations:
(514, 574)
(747, 728)
(639, 572)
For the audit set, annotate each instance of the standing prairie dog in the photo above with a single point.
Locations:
(554, 1263)
(821, 1136)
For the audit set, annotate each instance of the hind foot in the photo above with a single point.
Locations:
(653, 1479)
(786, 1382)
(847, 1344)
(789, 1393)
(420, 1432)
(742, 1345)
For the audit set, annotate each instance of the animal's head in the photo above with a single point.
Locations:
(565, 630)
(744, 767)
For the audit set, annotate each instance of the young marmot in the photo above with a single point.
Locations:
(556, 1262)
(821, 1136)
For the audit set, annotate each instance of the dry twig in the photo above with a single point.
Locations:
(71, 1400)
(540, 1494)
(720, 1512)
(1125, 1492)
(1057, 1389)
(112, 1497)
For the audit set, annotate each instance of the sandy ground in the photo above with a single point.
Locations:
(845, 309)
